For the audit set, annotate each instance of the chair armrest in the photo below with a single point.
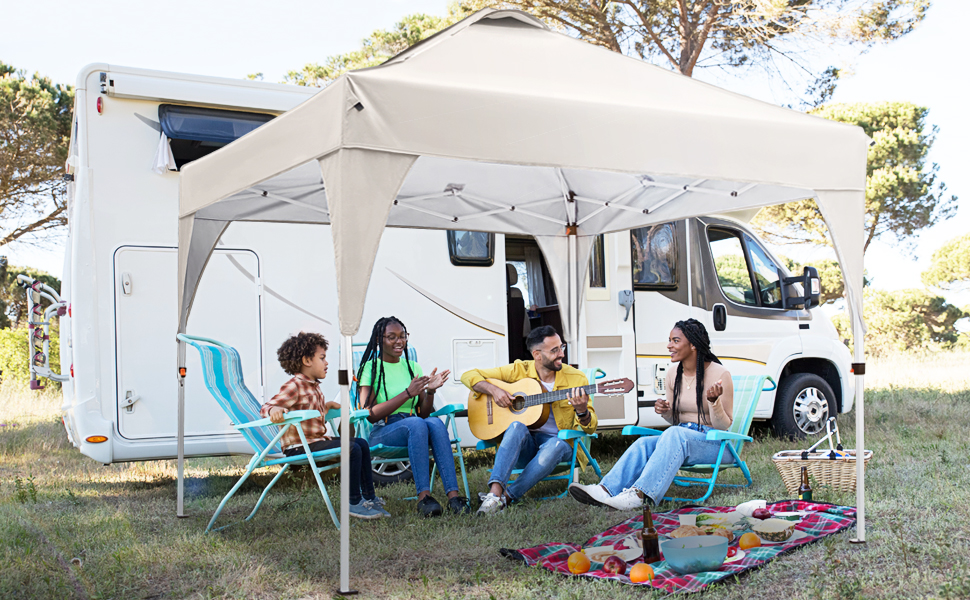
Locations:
(448, 410)
(355, 415)
(290, 418)
(717, 435)
(484, 445)
(571, 434)
(768, 380)
(634, 430)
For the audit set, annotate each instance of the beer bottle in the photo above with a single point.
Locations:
(805, 490)
(651, 542)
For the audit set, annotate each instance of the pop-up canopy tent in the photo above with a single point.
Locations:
(500, 124)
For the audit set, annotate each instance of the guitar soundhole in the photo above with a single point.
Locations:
(518, 404)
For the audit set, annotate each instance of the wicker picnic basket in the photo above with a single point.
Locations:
(837, 474)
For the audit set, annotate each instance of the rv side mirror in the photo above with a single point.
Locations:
(811, 284)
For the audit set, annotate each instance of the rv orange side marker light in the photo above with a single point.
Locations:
(96, 439)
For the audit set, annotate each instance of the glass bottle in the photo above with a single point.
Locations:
(805, 489)
(651, 541)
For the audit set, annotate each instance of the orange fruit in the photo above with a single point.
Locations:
(578, 563)
(641, 572)
(749, 540)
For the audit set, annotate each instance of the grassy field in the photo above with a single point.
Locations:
(72, 528)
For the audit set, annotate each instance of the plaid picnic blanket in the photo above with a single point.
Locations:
(823, 520)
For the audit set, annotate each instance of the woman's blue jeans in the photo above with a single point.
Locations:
(418, 434)
(537, 454)
(652, 462)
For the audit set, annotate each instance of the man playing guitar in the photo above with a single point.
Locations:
(536, 451)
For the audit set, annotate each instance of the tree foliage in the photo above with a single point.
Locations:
(905, 320)
(35, 131)
(686, 34)
(903, 195)
(375, 49)
(950, 265)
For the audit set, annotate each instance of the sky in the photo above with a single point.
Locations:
(233, 39)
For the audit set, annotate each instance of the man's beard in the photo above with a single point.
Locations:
(552, 366)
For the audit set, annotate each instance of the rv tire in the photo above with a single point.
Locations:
(392, 472)
(802, 405)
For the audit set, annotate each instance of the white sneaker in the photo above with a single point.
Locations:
(594, 495)
(628, 499)
(491, 504)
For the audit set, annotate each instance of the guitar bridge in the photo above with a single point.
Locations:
(488, 408)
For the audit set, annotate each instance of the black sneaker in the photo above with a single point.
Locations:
(459, 505)
(429, 507)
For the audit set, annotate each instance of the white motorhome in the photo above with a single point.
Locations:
(467, 298)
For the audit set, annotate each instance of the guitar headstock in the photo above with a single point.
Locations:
(614, 387)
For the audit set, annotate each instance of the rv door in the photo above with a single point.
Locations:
(609, 325)
(227, 308)
(739, 300)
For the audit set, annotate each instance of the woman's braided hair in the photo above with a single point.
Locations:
(374, 353)
(696, 334)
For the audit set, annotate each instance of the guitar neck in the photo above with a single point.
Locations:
(556, 395)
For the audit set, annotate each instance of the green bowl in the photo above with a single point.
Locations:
(695, 554)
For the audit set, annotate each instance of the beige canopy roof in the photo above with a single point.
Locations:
(500, 124)
(499, 112)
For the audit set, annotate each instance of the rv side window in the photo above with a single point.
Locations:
(471, 248)
(194, 132)
(731, 266)
(654, 257)
(597, 263)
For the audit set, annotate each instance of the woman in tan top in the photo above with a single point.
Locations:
(648, 467)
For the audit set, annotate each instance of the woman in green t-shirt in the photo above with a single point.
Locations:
(400, 399)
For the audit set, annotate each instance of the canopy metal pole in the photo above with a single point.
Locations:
(859, 368)
(344, 378)
(572, 318)
(180, 512)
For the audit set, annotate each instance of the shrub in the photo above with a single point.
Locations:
(905, 320)
(15, 353)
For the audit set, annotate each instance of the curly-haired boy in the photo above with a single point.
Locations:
(304, 356)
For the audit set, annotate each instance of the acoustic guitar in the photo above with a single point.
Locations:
(530, 404)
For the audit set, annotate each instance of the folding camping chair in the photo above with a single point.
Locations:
(383, 455)
(747, 391)
(222, 372)
(565, 471)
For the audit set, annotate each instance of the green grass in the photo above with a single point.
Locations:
(72, 528)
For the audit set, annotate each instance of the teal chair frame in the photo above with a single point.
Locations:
(381, 454)
(564, 471)
(747, 392)
(222, 372)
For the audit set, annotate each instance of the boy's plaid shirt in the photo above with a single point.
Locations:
(300, 393)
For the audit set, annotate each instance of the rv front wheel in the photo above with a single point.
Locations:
(802, 405)
(392, 472)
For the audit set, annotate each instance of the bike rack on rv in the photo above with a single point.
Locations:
(39, 328)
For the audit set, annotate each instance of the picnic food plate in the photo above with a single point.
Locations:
(793, 515)
(628, 548)
(795, 536)
(729, 520)
(599, 554)
(740, 555)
